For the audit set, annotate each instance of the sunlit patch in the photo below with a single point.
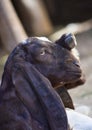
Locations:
(81, 122)
(43, 39)
(26, 41)
(75, 53)
(74, 39)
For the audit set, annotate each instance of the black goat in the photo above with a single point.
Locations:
(28, 100)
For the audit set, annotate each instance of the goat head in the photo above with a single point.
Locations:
(32, 71)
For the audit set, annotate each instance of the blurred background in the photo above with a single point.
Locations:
(51, 18)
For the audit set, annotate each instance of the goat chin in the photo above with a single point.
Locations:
(78, 121)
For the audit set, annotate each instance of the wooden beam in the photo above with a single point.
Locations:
(34, 16)
(11, 29)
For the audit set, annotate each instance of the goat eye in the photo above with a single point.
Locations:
(42, 52)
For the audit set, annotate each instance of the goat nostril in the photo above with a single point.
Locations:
(76, 63)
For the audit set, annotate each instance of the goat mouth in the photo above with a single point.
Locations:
(59, 85)
(76, 73)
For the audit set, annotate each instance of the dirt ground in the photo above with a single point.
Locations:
(82, 95)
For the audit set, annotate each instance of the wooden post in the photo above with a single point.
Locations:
(11, 29)
(34, 16)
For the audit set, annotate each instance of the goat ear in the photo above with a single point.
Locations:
(25, 92)
(26, 79)
(67, 41)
